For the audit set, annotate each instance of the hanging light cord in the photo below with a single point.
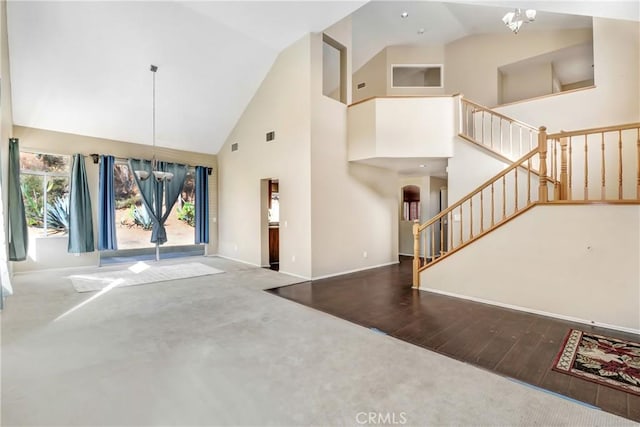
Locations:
(154, 111)
(153, 117)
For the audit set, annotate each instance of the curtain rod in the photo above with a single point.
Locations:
(96, 159)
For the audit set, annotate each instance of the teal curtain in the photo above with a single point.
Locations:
(18, 235)
(154, 193)
(80, 215)
(107, 240)
(172, 190)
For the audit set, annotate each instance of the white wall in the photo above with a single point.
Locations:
(469, 167)
(51, 252)
(573, 261)
(374, 75)
(6, 132)
(281, 104)
(614, 100)
(353, 206)
(535, 80)
(361, 130)
(472, 62)
(419, 127)
(402, 127)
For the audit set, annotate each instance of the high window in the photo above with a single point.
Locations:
(44, 179)
(410, 203)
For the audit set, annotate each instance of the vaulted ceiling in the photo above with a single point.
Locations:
(83, 67)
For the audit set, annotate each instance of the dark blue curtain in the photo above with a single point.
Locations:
(106, 206)
(18, 236)
(202, 205)
(80, 215)
(155, 193)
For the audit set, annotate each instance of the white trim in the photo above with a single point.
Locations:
(326, 276)
(238, 260)
(534, 311)
(294, 275)
(400, 253)
(54, 269)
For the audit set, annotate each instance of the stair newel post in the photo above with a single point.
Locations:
(564, 176)
(416, 254)
(543, 192)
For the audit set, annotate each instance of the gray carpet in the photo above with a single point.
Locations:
(217, 350)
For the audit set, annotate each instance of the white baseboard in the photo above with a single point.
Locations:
(294, 275)
(55, 269)
(534, 311)
(326, 276)
(238, 260)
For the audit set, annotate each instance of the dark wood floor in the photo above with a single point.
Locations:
(508, 342)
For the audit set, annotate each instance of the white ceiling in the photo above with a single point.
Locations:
(378, 24)
(83, 67)
(411, 166)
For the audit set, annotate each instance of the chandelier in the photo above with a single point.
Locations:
(157, 174)
(514, 20)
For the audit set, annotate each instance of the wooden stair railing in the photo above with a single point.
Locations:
(508, 138)
(565, 162)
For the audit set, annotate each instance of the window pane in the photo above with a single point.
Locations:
(133, 223)
(182, 219)
(57, 220)
(44, 162)
(33, 196)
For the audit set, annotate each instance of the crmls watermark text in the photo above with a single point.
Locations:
(394, 418)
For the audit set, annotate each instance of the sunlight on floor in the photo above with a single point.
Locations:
(109, 287)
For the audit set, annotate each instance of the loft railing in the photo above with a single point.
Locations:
(585, 166)
(596, 165)
(496, 132)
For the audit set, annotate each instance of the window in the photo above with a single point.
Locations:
(44, 179)
(133, 222)
(411, 203)
(416, 75)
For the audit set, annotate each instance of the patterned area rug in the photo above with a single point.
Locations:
(604, 360)
(139, 274)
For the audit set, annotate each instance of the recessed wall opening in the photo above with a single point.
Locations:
(554, 72)
(270, 223)
(418, 75)
(334, 69)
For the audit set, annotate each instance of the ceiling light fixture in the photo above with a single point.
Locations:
(422, 166)
(514, 20)
(404, 14)
(421, 31)
(157, 174)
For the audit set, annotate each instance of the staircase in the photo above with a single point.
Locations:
(600, 165)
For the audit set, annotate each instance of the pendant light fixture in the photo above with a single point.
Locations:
(514, 20)
(157, 174)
